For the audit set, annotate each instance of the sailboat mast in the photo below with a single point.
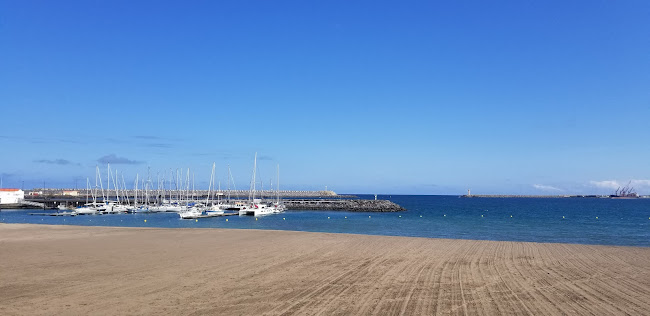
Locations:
(117, 192)
(125, 197)
(207, 199)
(101, 185)
(96, 187)
(158, 188)
(252, 193)
(187, 186)
(229, 178)
(87, 189)
(108, 181)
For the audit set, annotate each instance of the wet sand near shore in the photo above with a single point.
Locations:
(74, 270)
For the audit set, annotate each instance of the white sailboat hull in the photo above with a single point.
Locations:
(258, 210)
(85, 211)
(191, 213)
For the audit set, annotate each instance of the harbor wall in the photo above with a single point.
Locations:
(344, 205)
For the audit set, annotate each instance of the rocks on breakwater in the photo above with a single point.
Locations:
(344, 205)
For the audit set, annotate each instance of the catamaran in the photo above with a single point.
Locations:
(256, 207)
(192, 212)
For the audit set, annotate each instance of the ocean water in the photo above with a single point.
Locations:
(561, 220)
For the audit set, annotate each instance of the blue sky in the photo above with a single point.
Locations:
(410, 97)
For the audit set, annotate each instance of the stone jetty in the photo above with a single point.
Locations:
(343, 205)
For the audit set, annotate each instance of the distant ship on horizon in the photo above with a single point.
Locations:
(625, 193)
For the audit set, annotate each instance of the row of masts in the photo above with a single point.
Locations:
(178, 191)
(253, 189)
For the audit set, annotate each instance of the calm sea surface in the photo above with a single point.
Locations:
(562, 220)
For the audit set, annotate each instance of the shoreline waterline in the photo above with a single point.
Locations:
(315, 232)
(22, 225)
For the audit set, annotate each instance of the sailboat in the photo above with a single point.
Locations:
(216, 208)
(191, 209)
(256, 207)
(279, 207)
(118, 207)
(87, 208)
(94, 207)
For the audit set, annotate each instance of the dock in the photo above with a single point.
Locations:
(55, 214)
(217, 215)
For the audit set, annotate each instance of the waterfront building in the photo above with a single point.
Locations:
(11, 196)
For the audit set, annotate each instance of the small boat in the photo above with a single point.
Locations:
(215, 209)
(257, 208)
(90, 208)
(114, 208)
(279, 207)
(192, 212)
(175, 208)
(62, 207)
(85, 210)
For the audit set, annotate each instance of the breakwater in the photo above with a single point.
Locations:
(343, 205)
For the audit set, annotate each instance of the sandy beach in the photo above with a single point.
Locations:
(105, 270)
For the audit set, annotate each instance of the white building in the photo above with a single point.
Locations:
(11, 196)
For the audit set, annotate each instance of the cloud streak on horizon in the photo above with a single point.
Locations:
(61, 162)
(114, 159)
(615, 184)
(544, 187)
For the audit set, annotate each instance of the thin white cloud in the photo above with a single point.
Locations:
(606, 184)
(544, 187)
(615, 184)
(640, 183)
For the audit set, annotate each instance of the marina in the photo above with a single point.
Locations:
(127, 185)
(182, 198)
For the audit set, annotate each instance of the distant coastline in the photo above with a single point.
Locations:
(553, 196)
